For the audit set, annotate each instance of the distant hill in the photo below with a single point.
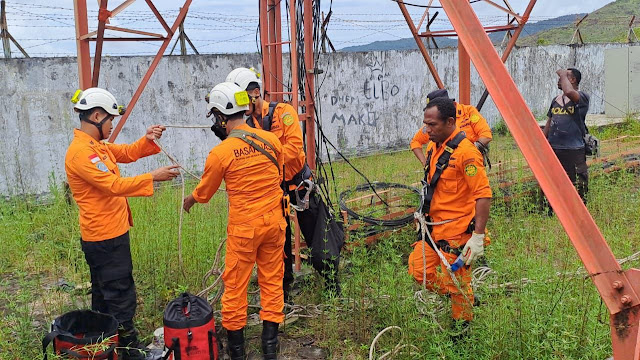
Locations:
(409, 43)
(610, 23)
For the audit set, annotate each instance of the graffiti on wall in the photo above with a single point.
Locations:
(375, 87)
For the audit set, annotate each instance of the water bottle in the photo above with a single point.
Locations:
(458, 263)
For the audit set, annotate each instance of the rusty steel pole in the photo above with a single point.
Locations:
(464, 75)
(309, 89)
(82, 44)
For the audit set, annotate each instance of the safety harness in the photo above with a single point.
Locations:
(425, 223)
(302, 180)
(244, 136)
(265, 122)
(429, 187)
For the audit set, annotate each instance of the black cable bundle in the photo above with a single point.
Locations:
(391, 223)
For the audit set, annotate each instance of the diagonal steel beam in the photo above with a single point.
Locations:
(423, 49)
(510, 45)
(152, 67)
(618, 289)
(155, 11)
(121, 7)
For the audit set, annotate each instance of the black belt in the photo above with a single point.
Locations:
(304, 174)
(444, 246)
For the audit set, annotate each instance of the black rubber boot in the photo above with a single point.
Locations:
(460, 331)
(236, 344)
(130, 347)
(270, 340)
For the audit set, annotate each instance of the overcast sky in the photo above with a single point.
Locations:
(46, 28)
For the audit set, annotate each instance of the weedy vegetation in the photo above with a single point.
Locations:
(554, 313)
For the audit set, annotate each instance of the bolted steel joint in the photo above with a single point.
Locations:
(625, 300)
(618, 285)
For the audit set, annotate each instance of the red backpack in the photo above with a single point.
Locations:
(190, 330)
(83, 334)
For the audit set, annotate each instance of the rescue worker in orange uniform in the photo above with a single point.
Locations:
(250, 162)
(105, 218)
(461, 197)
(468, 119)
(282, 120)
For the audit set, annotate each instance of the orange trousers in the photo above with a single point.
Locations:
(439, 280)
(258, 241)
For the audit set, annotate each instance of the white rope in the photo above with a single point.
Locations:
(396, 349)
(188, 126)
(445, 262)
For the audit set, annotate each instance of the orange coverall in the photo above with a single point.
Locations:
(468, 119)
(460, 185)
(256, 225)
(98, 189)
(286, 126)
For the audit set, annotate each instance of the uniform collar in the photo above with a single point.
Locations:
(84, 137)
(459, 108)
(453, 134)
(244, 127)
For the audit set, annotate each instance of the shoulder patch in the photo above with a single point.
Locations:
(287, 119)
(470, 170)
(475, 118)
(94, 158)
(102, 167)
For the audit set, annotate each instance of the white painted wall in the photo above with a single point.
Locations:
(369, 102)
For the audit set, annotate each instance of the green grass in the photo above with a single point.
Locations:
(555, 317)
(608, 24)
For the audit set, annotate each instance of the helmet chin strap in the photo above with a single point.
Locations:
(97, 125)
(219, 126)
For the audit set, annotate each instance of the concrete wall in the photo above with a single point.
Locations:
(368, 102)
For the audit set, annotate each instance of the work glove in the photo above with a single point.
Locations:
(474, 248)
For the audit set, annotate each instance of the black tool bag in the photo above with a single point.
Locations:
(83, 334)
(328, 240)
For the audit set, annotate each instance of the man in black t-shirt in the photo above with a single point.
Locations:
(565, 128)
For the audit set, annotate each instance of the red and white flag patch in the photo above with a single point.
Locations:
(94, 158)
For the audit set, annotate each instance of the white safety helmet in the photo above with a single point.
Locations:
(96, 97)
(243, 77)
(228, 98)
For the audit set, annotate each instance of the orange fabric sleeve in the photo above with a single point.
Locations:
(419, 139)
(293, 146)
(211, 178)
(475, 175)
(478, 123)
(279, 151)
(107, 181)
(126, 153)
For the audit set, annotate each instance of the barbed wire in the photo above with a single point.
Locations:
(363, 25)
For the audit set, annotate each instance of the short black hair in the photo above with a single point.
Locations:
(252, 85)
(85, 114)
(576, 74)
(446, 107)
